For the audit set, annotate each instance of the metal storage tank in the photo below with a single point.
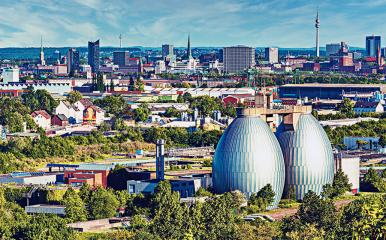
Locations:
(308, 156)
(248, 157)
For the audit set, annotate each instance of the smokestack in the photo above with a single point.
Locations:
(160, 159)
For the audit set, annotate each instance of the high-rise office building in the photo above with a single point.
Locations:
(73, 62)
(332, 48)
(272, 55)
(189, 50)
(121, 58)
(167, 50)
(373, 44)
(238, 58)
(93, 56)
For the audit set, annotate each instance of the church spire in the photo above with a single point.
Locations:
(41, 60)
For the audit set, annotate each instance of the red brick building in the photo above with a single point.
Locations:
(92, 177)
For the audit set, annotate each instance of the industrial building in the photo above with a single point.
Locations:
(186, 185)
(327, 91)
(249, 156)
(350, 165)
(27, 178)
(307, 154)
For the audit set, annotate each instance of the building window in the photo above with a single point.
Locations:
(131, 188)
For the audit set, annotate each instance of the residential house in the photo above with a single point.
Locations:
(93, 114)
(41, 118)
(59, 120)
(363, 107)
(83, 104)
(72, 112)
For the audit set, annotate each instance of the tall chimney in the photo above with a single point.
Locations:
(160, 159)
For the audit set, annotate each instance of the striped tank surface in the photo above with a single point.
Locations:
(308, 157)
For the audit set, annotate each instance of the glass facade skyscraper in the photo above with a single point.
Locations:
(93, 56)
(373, 44)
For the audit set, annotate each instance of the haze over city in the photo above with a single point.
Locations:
(279, 23)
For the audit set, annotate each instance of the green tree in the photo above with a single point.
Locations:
(364, 218)
(373, 182)
(263, 198)
(382, 140)
(141, 113)
(187, 97)
(167, 213)
(74, 96)
(314, 211)
(113, 104)
(171, 112)
(339, 186)
(139, 84)
(347, 107)
(39, 99)
(131, 84)
(85, 195)
(104, 204)
(75, 208)
(180, 99)
(112, 86)
(100, 85)
(43, 227)
(205, 104)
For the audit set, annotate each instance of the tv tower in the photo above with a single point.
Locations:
(120, 40)
(317, 25)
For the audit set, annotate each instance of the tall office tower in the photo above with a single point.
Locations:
(373, 43)
(317, 25)
(332, 48)
(121, 58)
(189, 51)
(167, 50)
(238, 58)
(73, 63)
(272, 55)
(41, 59)
(93, 56)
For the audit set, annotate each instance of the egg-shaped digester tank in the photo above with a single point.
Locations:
(247, 158)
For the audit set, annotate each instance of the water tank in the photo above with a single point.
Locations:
(247, 158)
(308, 157)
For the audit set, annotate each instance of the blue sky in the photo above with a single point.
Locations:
(283, 23)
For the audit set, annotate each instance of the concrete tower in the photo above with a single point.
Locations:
(120, 40)
(317, 24)
(160, 159)
(41, 59)
(189, 51)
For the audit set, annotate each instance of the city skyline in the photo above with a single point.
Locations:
(224, 23)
